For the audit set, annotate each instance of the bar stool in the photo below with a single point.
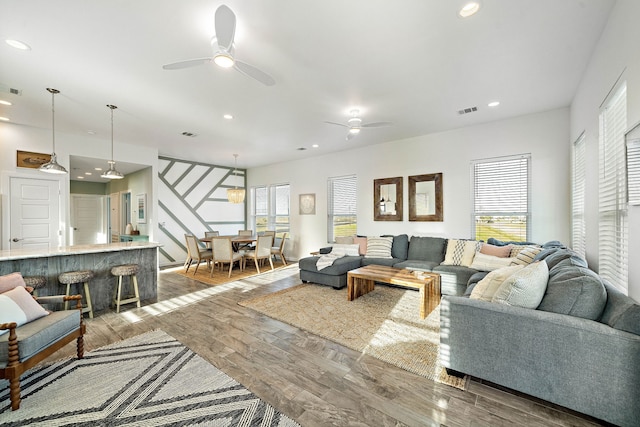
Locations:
(126, 270)
(35, 283)
(77, 277)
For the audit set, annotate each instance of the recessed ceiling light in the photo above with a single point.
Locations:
(315, 145)
(18, 44)
(88, 173)
(91, 132)
(493, 104)
(80, 177)
(228, 116)
(469, 9)
(97, 169)
(3, 102)
(4, 119)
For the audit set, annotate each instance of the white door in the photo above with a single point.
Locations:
(87, 219)
(34, 213)
(114, 217)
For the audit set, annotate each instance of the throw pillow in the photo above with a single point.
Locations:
(362, 241)
(345, 250)
(10, 281)
(493, 250)
(344, 240)
(524, 288)
(379, 247)
(525, 256)
(460, 252)
(486, 288)
(18, 306)
(484, 262)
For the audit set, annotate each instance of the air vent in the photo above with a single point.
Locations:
(189, 134)
(11, 90)
(301, 148)
(467, 110)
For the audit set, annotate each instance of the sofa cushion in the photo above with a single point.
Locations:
(460, 252)
(18, 306)
(559, 255)
(485, 262)
(486, 288)
(379, 247)
(629, 320)
(576, 291)
(414, 264)
(389, 262)
(10, 281)
(524, 288)
(400, 246)
(339, 267)
(427, 249)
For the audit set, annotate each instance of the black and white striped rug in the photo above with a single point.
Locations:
(148, 380)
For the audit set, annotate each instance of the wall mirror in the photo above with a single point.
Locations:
(425, 197)
(387, 199)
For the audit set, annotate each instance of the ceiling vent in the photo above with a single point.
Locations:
(189, 134)
(467, 110)
(301, 148)
(11, 90)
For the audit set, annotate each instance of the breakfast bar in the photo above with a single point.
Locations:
(98, 258)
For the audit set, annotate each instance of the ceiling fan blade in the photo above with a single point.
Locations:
(351, 136)
(337, 124)
(186, 64)
(377, 124)
(253, 72)
(225, 21)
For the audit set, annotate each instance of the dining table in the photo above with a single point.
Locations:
(236, 240)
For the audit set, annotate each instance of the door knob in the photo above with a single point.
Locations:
(15, 239)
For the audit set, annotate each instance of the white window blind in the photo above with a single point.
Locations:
(501, 198)
(578, 169)
(279, 218)
(341, 207)
(633, 172)
(612, 215)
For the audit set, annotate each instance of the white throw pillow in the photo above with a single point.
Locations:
(524, 288)
(17, 305)
(379, 247)
(486, 288)
(485, 262)
(460, 252)
(345, 250)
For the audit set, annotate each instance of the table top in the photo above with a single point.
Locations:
(395, 276)
(234, 239)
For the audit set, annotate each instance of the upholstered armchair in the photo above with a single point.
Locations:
(24, 346)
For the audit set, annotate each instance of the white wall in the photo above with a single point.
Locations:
(616, 54)
(544, 135)
(15, 137)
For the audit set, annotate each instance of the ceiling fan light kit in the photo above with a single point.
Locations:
(224, 60)
(355, 125)
(52, 166)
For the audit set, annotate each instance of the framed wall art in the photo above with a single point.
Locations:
(141, 205)
(308, 204)
(28, 159)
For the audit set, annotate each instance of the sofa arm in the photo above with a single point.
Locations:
(578, 363)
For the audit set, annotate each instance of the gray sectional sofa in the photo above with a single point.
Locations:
(579, 349)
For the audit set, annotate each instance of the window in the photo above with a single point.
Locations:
(578, 172)
(341, 207)
(612, 212)
(501, 198)
(270, 208)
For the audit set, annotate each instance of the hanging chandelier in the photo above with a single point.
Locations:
(112, 173)
(235, 195)
(52, 166)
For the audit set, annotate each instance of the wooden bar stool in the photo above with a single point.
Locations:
(35, 283)
(126, 270)
(77, 277)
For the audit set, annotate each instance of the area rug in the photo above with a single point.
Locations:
(151, 379)
(220, 277)
(384, 324)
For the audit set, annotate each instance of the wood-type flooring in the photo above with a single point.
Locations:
(313, 380)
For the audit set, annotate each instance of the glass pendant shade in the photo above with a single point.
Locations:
(235, 195)
(112, 173)
(52, 166)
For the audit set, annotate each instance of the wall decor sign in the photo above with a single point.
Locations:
(28, 159)
(308, 204)
(141, 205)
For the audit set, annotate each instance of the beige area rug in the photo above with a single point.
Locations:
(222, 276)
(384, 324)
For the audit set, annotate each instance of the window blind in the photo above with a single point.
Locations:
(578, 167)
(501, 198)
(633, 172)
(341, 207)
(612, 215)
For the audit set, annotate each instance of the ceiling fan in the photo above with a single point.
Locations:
(224, 49)
(354, 124)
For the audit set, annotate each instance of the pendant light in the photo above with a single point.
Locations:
(53, 166)
(112, 173)
(235, 195)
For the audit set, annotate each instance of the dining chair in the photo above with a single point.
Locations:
(279, 250)
(223, 253)
(271, 233)
(245, 233)
(209, 234)
(261, 252)
(195, 253)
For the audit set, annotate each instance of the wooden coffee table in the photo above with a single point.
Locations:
(362, 281)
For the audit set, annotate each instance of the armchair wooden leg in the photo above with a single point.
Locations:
(14, 392)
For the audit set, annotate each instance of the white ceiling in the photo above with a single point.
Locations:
(411, 62)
